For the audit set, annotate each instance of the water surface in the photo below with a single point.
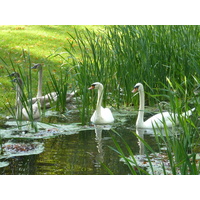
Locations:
(79, 152)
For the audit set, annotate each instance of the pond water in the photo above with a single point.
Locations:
(62, 147)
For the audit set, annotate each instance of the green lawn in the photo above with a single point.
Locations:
(39, 41)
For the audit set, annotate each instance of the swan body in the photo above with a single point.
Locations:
(101, 115)
(158, 120)
(46, 100)
(36, 111)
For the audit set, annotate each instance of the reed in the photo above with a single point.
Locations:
(59, 83)
(121, 56)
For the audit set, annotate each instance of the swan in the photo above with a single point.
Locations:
(101, 115)
(16, 75)
(25, 112)
(46, 99)
(157, 120)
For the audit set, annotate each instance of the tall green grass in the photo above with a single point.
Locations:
(121, 56)
(59, 84)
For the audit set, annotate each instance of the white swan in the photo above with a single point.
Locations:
(101, 115)
(46, 99)
(24, 110)
(157, 120)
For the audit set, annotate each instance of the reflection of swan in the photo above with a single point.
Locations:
(157, 120)
(46, 99)
(140, 133)
(28, 113)
(101, 115)
(98, 138)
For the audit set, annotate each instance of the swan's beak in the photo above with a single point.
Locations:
(36, 66)
(92, 87)
(10, 75)
(134, 90)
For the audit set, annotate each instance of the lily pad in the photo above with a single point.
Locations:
(44, 131)
(158, 161)
(11, 149)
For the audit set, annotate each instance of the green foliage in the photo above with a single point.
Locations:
(118, 57)
(164, 58)
(60, 84)
(121, 56)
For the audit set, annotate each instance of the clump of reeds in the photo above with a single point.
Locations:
(60, 83)
(121, 56)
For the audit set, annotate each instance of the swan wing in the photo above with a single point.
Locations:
(160, 119)
(167, 118)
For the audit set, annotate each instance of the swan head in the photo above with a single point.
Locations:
(96, 85)
(14, 74)
(37, 66)
(138, 87)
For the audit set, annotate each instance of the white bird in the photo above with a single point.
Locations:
(46, 99)
(159, 119)
(23, 110)
(101, 115)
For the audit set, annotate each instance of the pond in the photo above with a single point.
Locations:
(63, 147)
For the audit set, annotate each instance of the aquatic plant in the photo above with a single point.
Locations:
(60, 84)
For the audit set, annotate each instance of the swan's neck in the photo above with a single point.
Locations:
(39, 93)
(140, 118)
(99, 101)
(19, 101)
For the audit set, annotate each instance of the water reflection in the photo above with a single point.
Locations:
(150, 132)
(140, 133)
(99, 141)
(144, 134)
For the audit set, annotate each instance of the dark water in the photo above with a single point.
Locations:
(78, 154)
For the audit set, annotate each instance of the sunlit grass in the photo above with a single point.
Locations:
(40, 42)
